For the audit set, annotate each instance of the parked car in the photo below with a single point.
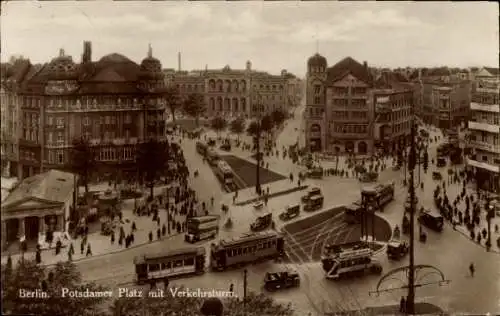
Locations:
(290, 212)
(281, 280)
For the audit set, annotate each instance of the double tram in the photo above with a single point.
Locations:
(169, 264)
(248, 248)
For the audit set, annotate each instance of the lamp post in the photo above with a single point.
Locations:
(368, 197)
(411, 269)
(489, 217)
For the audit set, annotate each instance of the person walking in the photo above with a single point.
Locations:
(472, 269)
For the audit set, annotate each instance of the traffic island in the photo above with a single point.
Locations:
(272, 195)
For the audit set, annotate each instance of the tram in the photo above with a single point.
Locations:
(169, 264)
(248, 248)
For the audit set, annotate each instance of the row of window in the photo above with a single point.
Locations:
(486, 159)
(486, 137)
(350, 129)
(227, 86)
(250, 249)
(170, 265)
(92, 103)
(354, 262)
(30, 134)
(485, 117)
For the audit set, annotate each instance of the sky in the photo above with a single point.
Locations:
(272, 35)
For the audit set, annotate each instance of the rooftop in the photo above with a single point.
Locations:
(53, 185)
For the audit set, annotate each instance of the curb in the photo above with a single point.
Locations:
(495, 251)
(108, 253)
(276, 194)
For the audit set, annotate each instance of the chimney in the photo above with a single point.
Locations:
(179, 61)
(365, 64)
(87, 52)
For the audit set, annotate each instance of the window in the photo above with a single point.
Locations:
(108, 119)
(484, 137)
(128, 119)
(60, 157)
(178, 263)
(317, 100)
(60, 122)
(87, 135)
(86, 121)
(485, 158)
(154, 267)
(51, 137)
(113, 120)
(60, 137)
(317, 89)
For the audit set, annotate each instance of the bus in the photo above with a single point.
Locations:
(250, 247)
(385, 194)
(200, 228)
(351, 262)
(224, 172)
(201, 148)
(212, 156)
(169, 264)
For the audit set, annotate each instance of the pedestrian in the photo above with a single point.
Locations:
(163, 230)
(89, 250)
(82, 247)
(38, 257)
(472, 269)
(70, 256)
(134, 228)
(72, 249)
(112, 237)
(402, 305)
(150, 236)
(158, 233)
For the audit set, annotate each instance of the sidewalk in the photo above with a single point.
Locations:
(101, 245)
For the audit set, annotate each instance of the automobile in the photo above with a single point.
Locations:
(170, 131)
(262, 222)
(312, 192)
(396, 168)
(211, 142)
(290, 212)
(397, 249)
(437, 176)
(258, 205)
(274, 281)
(369, 177)
(441, 162)
(432, 220)
(225, 146)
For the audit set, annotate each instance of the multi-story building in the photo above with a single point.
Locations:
(339, 115)
(114, 103)
(12, 78)
(393, 98)
(442, 96)
(236, 92)
(484, 133)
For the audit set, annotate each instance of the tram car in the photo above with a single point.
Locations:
(169, 264)
(251, 247)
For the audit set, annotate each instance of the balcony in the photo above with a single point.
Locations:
(494, 108)
(483, 165)
(484, 127)
(340, 135)
(487, 90)
(485, 146)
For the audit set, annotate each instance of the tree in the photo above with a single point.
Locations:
(219, 124)
(151, 160)
(29, 276)
(82, 160)
(252, 128)
(172, 99)
(194, 106)
(278, 117)
(255, 305)
(267, 123)
(238, 126)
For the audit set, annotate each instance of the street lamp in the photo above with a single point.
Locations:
(489, 216)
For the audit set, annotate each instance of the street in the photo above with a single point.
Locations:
(448, 251)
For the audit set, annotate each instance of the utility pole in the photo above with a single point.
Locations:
(245, 273)
(411, 269)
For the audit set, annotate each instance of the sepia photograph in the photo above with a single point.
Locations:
(249, 158)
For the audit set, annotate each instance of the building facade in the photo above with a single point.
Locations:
(484, 133)
(113, 103)
(339, 115)
(236, 92)
(12, 78)
(39, 204)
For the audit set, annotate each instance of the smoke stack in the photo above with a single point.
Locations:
(365, 64)
(179, 61)
(87, 52)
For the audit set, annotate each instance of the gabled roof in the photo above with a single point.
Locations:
(53, 186)
(346, 66)
(441, 71)
(493, 71)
